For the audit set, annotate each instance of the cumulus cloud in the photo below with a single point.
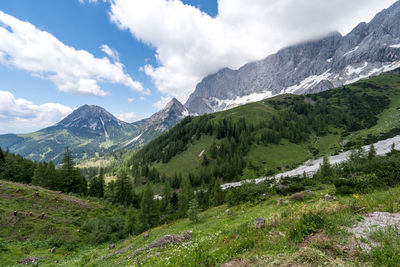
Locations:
(76, 71)
(190, 44)
(112, 53)
(19, 115)
(130, 100)
(128, 116)
(162, 102)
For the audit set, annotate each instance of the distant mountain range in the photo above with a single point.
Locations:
(91, 130)
(314, 66)
(369, 49)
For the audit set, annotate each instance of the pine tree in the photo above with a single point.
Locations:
(326, 170)
(166, 195)
(230, 198)
(149, 215)
(123, 191)
(217, 195)
(132, 224)
(96, 185)
(39, 174)
(193, 210)
(185, 195)
(371, 152)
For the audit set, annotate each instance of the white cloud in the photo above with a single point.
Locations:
(162, 102)
(112, 53)
(130, 100)
(89, 1)
(20, 115)
(141, 98)
(190, 44)
(128, 116)
(76, 71)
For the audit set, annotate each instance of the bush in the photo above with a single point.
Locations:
(103, 229)
(308, 224)
(356, 184)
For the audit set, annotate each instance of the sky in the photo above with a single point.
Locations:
(132, 56)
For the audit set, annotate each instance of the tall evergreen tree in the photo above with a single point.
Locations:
(371, 152)
(217, 195)
(149, 215)
(97, 184)
(123, 193)
(132, 224)
(185, 195)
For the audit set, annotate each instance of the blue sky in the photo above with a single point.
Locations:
(164, 49)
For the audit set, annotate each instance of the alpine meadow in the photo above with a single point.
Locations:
(180, 133)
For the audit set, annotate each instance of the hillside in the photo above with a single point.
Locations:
(274, 135)
(316, 221)
(31, 225)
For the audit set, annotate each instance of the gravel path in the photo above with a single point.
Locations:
(310, 167)
(372, 222)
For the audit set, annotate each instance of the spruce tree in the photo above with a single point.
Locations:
(371, 152)
(149, 214)
(132, 224)
(217, 195)
(123, 191)
(326, 170)
(194, 210)
(185, 195)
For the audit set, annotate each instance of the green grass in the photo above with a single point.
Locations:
(26, 235)
(219, 237)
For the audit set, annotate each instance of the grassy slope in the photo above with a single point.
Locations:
(25, 236)
(287, 155)
(218, 237)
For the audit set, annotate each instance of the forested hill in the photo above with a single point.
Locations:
(269, 136)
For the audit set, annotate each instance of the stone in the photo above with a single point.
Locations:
(228, 211)
(112, 246)
(297, 196)
(308, 193)
(78, 231)
(171, 239)
(15, 213)
(280, 201)
(53, 250)
(146, 235)
(327, 197)
(56, 261)
(36, 194)
(259, 223)
(41, 216)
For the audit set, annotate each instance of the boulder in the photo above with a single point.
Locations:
(146, 235)
(297, 196)
(327, 197)
(112, 246)
(308, 193)
(171, 239)
(228, 211)
(53, 250)
(259, 223)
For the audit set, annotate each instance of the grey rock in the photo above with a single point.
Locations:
(280, 201)
(310, 67)
(228, 211)
(53, 250)
(112, 246)
(308, 193)
(259, 223)
(327, 197)
(146, 235)
(171, 239)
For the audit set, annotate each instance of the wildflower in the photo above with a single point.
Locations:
(356, 196)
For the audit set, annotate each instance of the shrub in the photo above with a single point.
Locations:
(102, 229)
(308, 224)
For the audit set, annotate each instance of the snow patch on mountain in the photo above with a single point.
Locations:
(308, 82)
(231, 103)
(395, 46)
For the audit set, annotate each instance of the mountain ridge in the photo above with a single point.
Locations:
(91, 130)
(331, 61)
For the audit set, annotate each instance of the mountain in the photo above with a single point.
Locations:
(276, 134)
(91, 130)
(158, 123)
(314, 66)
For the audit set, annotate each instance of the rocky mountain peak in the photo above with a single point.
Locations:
(309, 67)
